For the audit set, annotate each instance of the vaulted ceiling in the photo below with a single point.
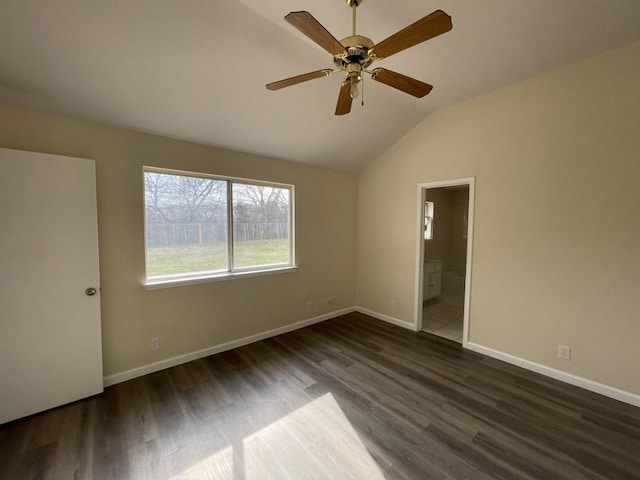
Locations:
(196, 69)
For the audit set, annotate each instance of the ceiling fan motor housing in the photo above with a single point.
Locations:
(358, 51)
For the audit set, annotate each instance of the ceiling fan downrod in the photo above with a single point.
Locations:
(354, 5)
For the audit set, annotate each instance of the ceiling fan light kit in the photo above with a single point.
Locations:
(354, 54)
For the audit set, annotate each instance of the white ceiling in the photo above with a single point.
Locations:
(196, 69)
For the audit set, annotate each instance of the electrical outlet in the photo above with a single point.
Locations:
(155, 343)
(392, 304)
(564, 352)
(309, 305)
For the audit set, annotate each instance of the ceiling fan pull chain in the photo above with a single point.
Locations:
(362, 99)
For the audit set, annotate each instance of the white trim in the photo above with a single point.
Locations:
(224, 178)
(155, 284)
(232, 272)
(607, 391)
(188, 357)
(471, 214)
(422, 187)
(587, 384)
(419, 278)
(385, 318)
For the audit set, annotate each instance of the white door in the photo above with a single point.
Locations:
(50, 333)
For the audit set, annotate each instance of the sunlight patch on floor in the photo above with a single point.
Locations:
(313, 442)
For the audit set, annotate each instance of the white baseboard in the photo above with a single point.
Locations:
(385, 318)
(188, 357)
(571, 379)
(607, 391)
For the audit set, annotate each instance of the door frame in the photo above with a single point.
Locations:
(421, 196)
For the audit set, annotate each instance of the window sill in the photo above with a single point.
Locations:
(218, 277)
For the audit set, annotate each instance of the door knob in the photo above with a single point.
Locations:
(90, 291)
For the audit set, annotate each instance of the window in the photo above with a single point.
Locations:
(429, 208)
(201, 226)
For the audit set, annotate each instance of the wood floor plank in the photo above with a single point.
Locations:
(349, 398)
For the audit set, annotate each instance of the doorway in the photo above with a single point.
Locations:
(444, 267)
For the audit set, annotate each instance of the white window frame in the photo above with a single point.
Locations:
(429, 215)
(166, 281)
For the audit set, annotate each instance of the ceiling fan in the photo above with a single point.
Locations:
(354, 54)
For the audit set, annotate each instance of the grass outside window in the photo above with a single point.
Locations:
(166, 260)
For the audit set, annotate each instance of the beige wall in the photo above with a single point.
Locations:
(189, 318)
(556, 255)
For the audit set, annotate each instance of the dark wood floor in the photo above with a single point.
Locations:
(351, 398)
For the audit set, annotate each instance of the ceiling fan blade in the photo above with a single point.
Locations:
(432, 25)
(344, 99)
(287, 82)
(308, 25)
(401, 82)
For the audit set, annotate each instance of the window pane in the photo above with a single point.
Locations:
(186, 224)
(429, 208)
(260, 225)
